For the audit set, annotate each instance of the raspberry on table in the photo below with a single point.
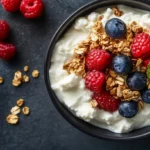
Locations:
(32, 8)
(106, 101)
(97, 59)
(140, 47)
(146, 62)
(11, 5)
(4, 30)
(94, 81)
(7, 51)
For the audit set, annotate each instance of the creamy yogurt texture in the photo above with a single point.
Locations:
(70, 89)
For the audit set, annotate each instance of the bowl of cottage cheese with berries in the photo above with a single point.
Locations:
(100, 69)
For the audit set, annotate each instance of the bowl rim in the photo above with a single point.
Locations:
(63, 110)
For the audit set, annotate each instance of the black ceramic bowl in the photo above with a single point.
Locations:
(75, 121)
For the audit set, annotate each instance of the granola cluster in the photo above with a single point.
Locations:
(98, 38)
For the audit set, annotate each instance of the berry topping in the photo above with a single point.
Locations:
(122, 64)
(136, 81)
(146, 96)
(98, 59)
(128, 109)
(141, 46)
(146, 62)
(4, 30)
(7, 51)
(32, 8)
(115, 28)
(106, 101)
(11, 5)
(94, 81)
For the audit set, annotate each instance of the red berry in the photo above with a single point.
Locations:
(32, 8)
(98, 59)
(7, 51)
(4, 30)
(106, 101)
(140, 47)
(94, 81)
(11, 5)
(146, 62)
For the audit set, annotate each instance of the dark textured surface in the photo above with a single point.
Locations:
(44, 129)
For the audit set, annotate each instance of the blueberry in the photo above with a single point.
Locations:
(128, 109)
(115, 28)
(122, 64)
(136, 81)
(146, 96)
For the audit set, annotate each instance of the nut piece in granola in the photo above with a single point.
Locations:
(15, 110)
(1, 80)
(26, 110)
(25, 78)
(35, 73)
(12, 119)
(20, 102)
(140, 105)
(26, 68)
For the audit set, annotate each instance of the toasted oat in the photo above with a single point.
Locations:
(12, 119)
(18, 75)
(15, 110)
(26, 68)
(35, 73)
(26, 110)
(20, 102)
(16, 82)
(140, 104)
(93, 103)
(1, 80)
(25, 78)
(117, 12)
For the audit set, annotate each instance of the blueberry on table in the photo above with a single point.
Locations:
(115, 28)
(128, 109)
(122, 64)
(146, 96)
(136, 81)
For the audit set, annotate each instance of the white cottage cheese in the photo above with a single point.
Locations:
(70, 89)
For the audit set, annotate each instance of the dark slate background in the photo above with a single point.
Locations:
(44, 129)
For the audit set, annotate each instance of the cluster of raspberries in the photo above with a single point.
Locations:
(29, 8)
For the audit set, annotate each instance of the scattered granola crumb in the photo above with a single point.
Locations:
(16, 82)
(25, 78)
(1, 80)
(93, 103)
(26, 110)
(117, 12)
(18, 75)
(12, 119)
(20, 102)
(15, 110)
(26, 68)
(35, 73)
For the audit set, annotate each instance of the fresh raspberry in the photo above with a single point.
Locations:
(97, 59)
(11, 5)
(140, 47)
(106, 101)
(4, 30)
(94, 81)
(32, 8)
(146, 62)
(7, 51)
